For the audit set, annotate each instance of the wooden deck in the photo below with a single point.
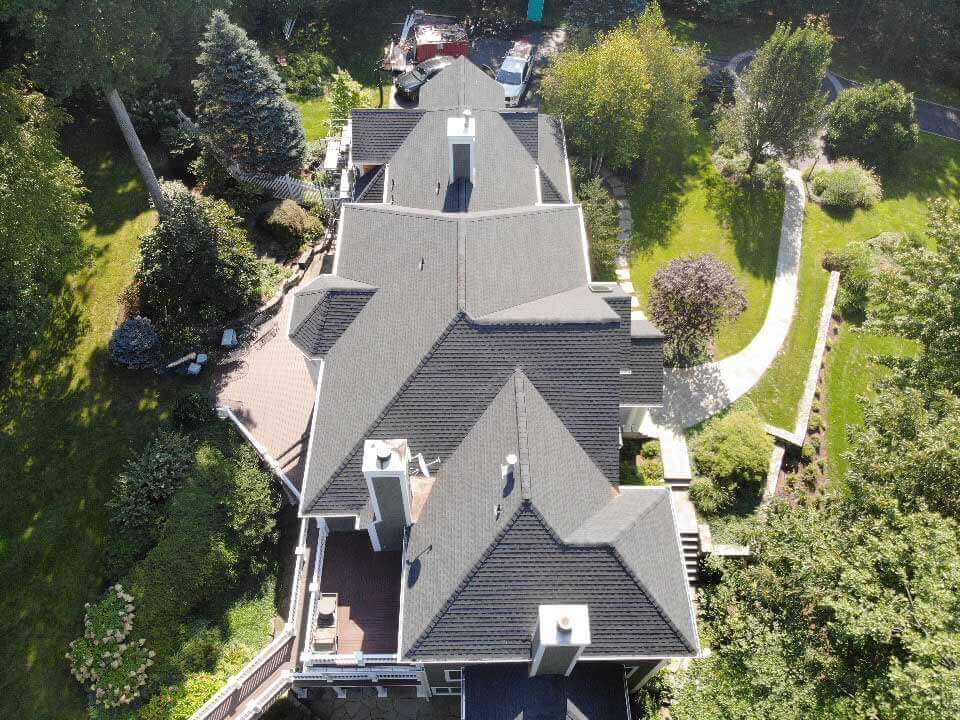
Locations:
(367, 584)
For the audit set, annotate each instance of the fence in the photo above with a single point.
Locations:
(282, 187)
(245, 683)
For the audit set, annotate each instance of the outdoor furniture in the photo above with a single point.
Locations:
(324, 636)
(229, 338)
(194, 368)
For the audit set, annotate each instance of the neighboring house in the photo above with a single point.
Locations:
(462, 477)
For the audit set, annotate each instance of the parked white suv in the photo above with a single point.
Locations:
(514, 74)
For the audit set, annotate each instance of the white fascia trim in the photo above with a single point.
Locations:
(566, 159)
(583, 241)
(536, 184)
(318, 517)
(313, 428)
(386, 183)
(686, 584)
(339, 248)
(404, 566)
(583, 658)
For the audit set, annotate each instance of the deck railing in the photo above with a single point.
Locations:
(246, 682)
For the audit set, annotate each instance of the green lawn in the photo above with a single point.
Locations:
(688, 209)
(316, 111)
(69, 421)
(932, 169)
(850, 375)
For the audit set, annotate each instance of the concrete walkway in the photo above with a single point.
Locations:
(691, 395)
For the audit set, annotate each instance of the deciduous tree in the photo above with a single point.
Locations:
(918, 297)
(602, 93)
(41, 214)
(689, 298)
(875, 123)
(780, 104)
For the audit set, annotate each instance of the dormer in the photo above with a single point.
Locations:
(323, 310)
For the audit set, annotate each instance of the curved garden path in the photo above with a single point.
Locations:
(691, 395)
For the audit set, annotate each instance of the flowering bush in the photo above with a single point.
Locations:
(110, 665)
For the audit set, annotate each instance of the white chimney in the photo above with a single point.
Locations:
(562, 632)
(386, 470)
(461, 140)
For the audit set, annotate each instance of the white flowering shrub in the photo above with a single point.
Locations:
(106, 661)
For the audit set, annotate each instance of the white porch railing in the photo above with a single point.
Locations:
(261, 450)
(246, 682)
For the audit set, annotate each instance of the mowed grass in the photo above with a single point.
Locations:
(931, 169)
(316, 110)
(851, 371)
(686, 208)
(68, 422)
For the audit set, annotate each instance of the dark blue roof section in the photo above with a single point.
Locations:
(593, 691)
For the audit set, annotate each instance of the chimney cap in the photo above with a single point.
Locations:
(564, 625)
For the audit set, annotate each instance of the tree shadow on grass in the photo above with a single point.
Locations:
(659, 198)
(67, 428)
(754, 216)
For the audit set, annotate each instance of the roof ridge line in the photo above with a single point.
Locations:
(633, 576)
(465, 580)
(383, 411)
(524, 451)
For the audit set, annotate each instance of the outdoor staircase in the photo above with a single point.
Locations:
(690, 544)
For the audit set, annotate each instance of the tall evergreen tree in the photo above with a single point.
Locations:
(241, 104)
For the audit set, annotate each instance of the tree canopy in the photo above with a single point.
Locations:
(918, 297)
(41, 214)
(628, 95)
(196, 264)
(839, 615)
(242, 108)
(780, 104)
(875, 123)
(689, 298)
(602, 93)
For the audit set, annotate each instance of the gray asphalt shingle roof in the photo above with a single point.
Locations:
(378, 134)
(461, 85)
(474, 593)
(474, 335)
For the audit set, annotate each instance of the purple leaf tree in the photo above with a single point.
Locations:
(689, 298)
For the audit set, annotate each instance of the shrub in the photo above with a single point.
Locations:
(855, 263)
(146, 485)
(135, 345)
(651, 472)
(192, 411)
(152, 113)
(847, 185)
(807, 452)
(650, 449)
(708, 497)
(601, 215)
(192, 563)
(875, 123)
(112, 667)
(720, 85)
(766, 175)
(196, 264)
(286, 222)
(307, 72)
(689, 298)
(734, 449)
(252, 502)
